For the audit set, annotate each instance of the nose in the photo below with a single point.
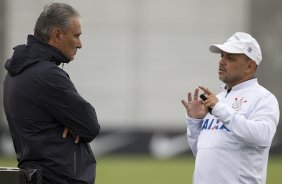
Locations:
(79, 44)
(222, 61)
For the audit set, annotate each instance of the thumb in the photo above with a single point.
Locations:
(77, 139)
(65, 132)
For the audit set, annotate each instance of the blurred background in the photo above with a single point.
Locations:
(139, 59)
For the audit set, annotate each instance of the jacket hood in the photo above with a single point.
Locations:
(34, 51)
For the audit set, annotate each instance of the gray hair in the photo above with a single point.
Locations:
(54, 15)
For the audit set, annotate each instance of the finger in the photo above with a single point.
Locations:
(208, 105)
(77, 139)
(196, 94)
(206, 90)
(65, 132)
(189, 97)
(184, 103)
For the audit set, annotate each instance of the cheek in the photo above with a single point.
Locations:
(71, 43)
(69, 47)
(238, 72)
(68, 50)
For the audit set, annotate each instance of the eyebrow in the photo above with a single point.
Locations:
(234, 54)
(78, 34)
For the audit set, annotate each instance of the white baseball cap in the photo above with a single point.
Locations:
(240, 43)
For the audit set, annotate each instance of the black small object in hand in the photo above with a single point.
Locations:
(204, 98)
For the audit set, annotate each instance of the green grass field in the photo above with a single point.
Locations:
(126, 169)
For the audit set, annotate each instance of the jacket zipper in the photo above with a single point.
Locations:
(74, 163)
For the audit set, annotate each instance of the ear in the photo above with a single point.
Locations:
(56, 35)
(252, 66)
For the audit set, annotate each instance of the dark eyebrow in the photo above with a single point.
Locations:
(232, 54)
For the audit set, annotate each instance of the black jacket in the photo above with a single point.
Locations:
(39, 102)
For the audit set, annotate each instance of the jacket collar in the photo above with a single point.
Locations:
(54, 54)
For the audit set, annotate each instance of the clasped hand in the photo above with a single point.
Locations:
(72, 133)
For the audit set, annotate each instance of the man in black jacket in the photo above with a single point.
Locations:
(50, 123)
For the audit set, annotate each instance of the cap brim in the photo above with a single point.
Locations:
(217, 48)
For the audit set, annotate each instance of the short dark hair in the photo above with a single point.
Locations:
(54, 15)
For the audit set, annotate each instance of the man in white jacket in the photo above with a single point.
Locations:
(230, 133)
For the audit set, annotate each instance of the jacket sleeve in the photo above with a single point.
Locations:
(60, 98)
(256, 128)
(193, 132)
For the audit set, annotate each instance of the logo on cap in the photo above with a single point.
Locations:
(249, 49)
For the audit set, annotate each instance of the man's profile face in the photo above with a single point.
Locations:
(233, 68)
(70, 39)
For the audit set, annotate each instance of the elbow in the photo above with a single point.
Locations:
(263, 136)
(95, 132)
(91, 133)
(264, 140)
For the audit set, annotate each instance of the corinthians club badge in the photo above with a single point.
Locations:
(238, 103)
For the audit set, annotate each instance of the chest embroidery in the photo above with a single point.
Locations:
(237, 105)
